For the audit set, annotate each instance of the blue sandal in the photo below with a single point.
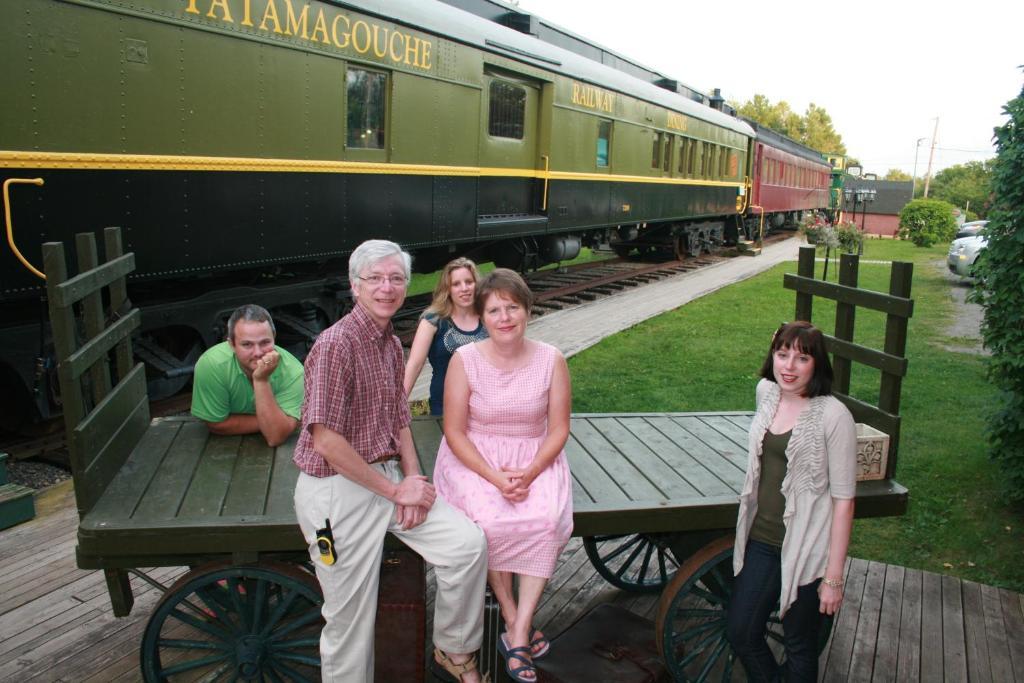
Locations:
(540, 645)
(517, 653)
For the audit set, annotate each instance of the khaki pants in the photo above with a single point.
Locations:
(359, 520)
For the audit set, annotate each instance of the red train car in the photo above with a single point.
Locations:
(787, 180)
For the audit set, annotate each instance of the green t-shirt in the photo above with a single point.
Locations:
(220, 388)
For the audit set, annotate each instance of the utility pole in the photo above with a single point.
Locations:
(931, 156)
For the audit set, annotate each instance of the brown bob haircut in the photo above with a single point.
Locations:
(804, 338)
(506, 282)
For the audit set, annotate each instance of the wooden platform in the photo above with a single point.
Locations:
(184, 495)
(897, 624)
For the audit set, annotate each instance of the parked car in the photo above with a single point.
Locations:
(963, 253)
(970, 228)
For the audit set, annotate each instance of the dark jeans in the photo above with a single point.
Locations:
(755, 596)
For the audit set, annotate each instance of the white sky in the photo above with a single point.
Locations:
(882, 70)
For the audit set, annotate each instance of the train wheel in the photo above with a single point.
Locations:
(641, 563)
(679, 247)
(245, 623)
(691, 622)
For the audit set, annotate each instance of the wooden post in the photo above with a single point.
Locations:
(805, 268)
(845, 318)
(62, 324)
(118, 300)
(895, 344)
(92, 315)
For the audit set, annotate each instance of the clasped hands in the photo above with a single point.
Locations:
(413, 499)
(513, 484)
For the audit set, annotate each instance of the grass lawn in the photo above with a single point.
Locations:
(705, 356)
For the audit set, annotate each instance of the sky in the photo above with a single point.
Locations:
(884, 71)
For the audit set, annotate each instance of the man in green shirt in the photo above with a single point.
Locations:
(247, 385)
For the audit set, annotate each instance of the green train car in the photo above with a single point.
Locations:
(246, 146)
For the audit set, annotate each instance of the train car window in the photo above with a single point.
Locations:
(684, 151)
(656, 151)
(723, 162)
(667, 156)
(367, 95)
(604, 136)
(695, 160)
(507, 110)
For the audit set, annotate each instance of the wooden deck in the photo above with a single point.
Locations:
(897, 624)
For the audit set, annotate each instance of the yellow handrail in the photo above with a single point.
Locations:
(7, 219)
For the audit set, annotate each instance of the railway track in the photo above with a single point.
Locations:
(555, 289)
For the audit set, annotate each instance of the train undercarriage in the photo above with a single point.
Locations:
(181, 319)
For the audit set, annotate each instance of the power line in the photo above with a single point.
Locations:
(966, 151)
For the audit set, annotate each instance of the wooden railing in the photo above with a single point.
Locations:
(891, 360)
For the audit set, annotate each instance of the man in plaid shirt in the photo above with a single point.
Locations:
(360, 474)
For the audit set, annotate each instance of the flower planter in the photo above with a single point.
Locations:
(872, 452)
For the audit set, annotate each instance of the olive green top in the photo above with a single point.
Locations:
(768, 526)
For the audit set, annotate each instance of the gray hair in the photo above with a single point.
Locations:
(252, 313)
(370, 252)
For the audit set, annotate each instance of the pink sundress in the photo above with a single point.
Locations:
(508, 412)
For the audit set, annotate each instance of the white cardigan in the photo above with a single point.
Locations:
(822, 465)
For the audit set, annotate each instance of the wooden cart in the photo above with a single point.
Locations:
(655, 496)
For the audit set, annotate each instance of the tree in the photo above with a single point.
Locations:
(897, 174)
(1001, 272)
(818, 132)
(963, 184)
(813, 129)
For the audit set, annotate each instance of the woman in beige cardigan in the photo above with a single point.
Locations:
(796, 508)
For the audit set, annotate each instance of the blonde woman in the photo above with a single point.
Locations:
(448, 323)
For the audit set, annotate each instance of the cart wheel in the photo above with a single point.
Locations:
(691, 619)
(236, 623)
(641, 563)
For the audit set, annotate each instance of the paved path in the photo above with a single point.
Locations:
(579, 328)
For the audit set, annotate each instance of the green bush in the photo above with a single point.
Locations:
(1001, 274)
(927, 221)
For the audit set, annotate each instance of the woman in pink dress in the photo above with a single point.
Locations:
(506, 420)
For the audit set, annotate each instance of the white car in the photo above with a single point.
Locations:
(971, 228)
(963, 253)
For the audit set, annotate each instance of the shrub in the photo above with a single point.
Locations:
(1001, 272)
(927, 221)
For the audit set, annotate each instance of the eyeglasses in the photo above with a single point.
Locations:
(378, 280)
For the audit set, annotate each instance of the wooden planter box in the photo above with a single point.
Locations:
(872, 452)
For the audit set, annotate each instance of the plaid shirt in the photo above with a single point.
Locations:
(354, 387)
